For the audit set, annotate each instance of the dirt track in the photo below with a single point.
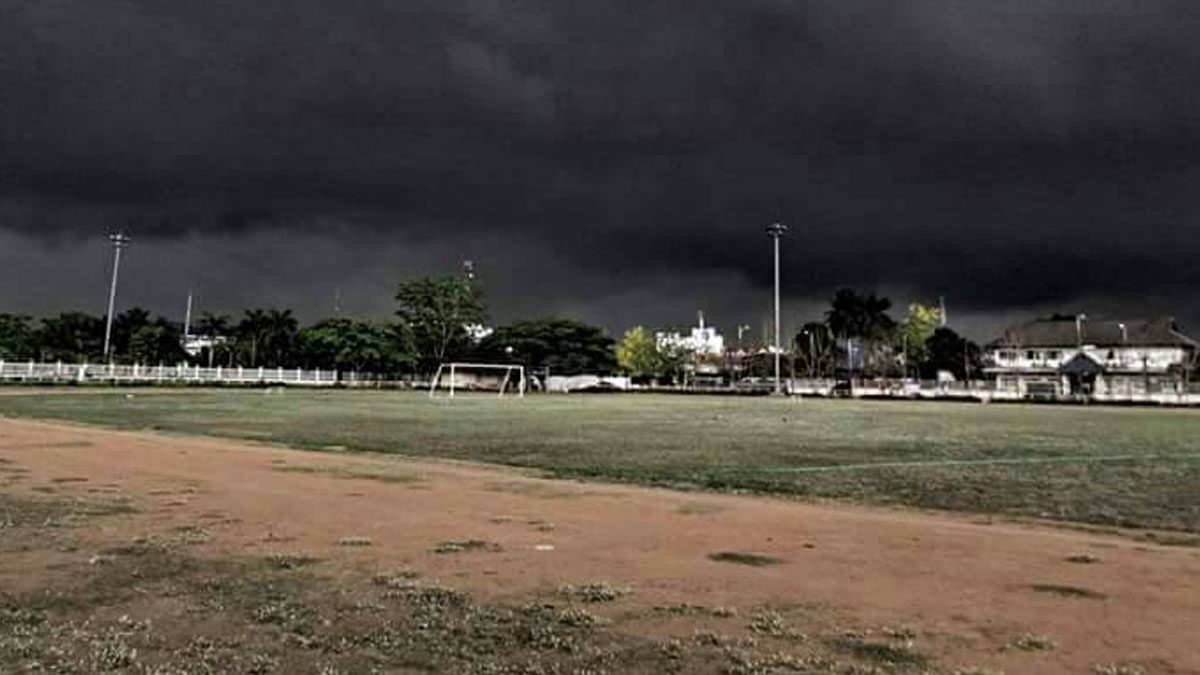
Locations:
(964, 586)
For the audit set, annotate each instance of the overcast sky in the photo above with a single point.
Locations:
(613, 161)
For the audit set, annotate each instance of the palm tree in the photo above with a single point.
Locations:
(216, 328)
(250, 333)
(212, 326)
(279, 333)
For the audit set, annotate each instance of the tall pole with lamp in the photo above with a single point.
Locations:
(776, 231)
(119, 240)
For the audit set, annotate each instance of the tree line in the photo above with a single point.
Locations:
(858, 335)
(441, 318)
(437, 319)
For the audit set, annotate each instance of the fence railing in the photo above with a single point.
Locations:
(34, 372)
(982, 390)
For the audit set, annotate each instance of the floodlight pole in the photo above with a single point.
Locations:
(775, 232)
(119, 241)
(187, 317)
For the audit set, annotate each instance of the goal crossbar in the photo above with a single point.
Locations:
(453, 369)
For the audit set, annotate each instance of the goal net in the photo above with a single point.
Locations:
(489, 377)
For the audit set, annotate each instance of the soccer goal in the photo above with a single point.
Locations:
(478, 377)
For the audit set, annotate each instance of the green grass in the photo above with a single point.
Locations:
(1137, 467)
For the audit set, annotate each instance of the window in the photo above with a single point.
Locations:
(1052, 354)
(1031, 355)
(1112, 354)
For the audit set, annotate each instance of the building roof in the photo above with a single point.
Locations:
(1155, 332)
(1082, 364)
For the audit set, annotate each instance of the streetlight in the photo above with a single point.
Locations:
(119, 241)
(775, 231)
(741, 330)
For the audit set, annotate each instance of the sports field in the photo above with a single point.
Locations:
(155, 550)
(1131, 467)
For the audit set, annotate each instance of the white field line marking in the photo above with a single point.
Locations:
(1080, 459)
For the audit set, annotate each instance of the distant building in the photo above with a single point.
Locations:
(1077, 356)
(478, 332)
(194, 345)
(703, 340)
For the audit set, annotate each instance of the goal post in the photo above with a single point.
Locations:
(479, 376)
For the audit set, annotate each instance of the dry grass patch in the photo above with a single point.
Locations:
(465, 546)
(744, 558)
(1118, 669)
(593, 592)
(1030, 642)
(345, 473)
(898, 655)
(538, 489)
(1068, 591)
(355, 542)
(290, 561)
(699, 508)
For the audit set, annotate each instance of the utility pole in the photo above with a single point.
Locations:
(119, 241)
(187, 317)
(775, 231)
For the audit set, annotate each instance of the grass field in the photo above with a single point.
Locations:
(1134, 467)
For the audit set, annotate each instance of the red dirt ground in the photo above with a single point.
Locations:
(965, 586)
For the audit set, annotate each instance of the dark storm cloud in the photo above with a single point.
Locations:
(1007, 154)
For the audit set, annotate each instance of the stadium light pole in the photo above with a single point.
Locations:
(119, 240)
(775, 231)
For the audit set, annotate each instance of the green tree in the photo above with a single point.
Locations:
(953, 353)
(637, 354)
(565, 346)
(673, 359)
(156, 343)
(16, 338)
(279, 337)
(854, 315)
(864, 319)
(125, 325)
(816, 350)
(434, 313)
(71, 337)
(251, 334)
(218, 328)
(214, 325)
(918, 327)
(348, 345)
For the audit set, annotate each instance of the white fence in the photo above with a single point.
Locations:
(135, 374)
(979, 390)
(982, 390)
(563, 385)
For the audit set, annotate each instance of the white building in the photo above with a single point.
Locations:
(194, 345)
(478, 332)
(1068, 357)
(703, 340)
